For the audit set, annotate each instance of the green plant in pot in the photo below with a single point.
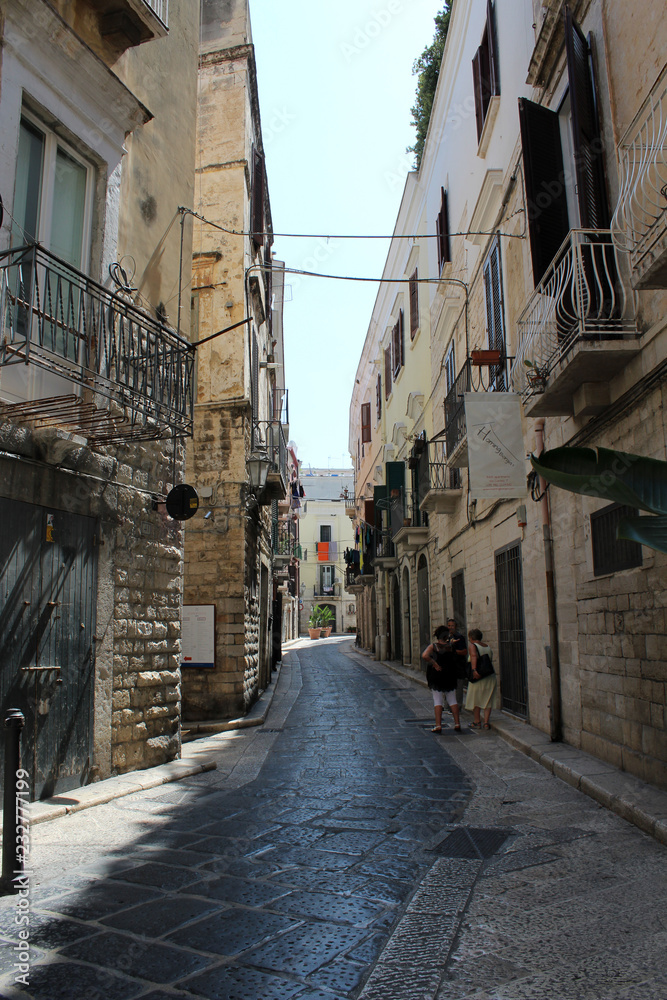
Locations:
(314, 626)
(327, 618)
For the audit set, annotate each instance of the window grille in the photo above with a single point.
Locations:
(611, 554)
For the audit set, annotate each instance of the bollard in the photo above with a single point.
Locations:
(13, 850)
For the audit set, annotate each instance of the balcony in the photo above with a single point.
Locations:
(285, 543)
(639, 225)
(270, 435)
(77, 356)
(577, 331)
(444, 482)
(135, 20)
(471, 378)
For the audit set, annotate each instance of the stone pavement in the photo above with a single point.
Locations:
(340, 850)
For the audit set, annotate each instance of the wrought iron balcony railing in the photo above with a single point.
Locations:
(160, 8)
(285, 540)
(270, 435)
(639, 224)
(131, 376)
(580, 298)
(471, 378)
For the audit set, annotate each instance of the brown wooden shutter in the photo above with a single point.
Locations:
(492, 45)
(495, 320)
(378, 396)
(387, 372)
(548, 222)
(478, 91)
(257, 199)
(401, 338)
(414, 304)
(365, 422)
(588, 150)
(442, 230)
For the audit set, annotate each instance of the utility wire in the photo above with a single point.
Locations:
(349, 236)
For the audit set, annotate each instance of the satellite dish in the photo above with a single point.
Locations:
(182, 502)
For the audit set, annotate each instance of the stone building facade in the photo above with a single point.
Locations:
(537, 188)
(97, 114)
(239, 409)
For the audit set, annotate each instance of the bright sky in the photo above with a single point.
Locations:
(335, 90)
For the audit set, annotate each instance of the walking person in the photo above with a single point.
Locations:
(441, 676)
(482, 690)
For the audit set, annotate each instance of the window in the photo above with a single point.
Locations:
(257, 199)
(378, 397)
(325, 532)
(495, 320)
(611, 554)
(387, 372)
(485, 76)
(545, 175)
(442, 231)
(365, 422)
(53, 194)
(397, 346)
(327, 579)
(414, 304)
(450, 367)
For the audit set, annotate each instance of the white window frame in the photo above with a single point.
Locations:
(51, 143)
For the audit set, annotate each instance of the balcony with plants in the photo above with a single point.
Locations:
(75, 355)
(442, 485)
(577, 331)
(639, 225)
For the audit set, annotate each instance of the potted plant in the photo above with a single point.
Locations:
(535, 374)
(314, 628)
(326, 620)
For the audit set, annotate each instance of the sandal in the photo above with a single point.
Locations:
(486, 725)
(457, 729)
(475, 725)
(437, 729)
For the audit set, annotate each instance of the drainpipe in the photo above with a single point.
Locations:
(554, 664)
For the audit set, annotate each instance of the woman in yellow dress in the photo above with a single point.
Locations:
(482, 692)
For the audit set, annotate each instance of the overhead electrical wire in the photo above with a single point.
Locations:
(349, 236)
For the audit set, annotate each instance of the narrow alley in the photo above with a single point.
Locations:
(340, 851)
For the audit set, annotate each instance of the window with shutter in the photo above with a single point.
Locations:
(548, 222)
(485, 75)
(588, 148)
(442, 231)
(387, 372)
(495, 319)
(378, 397)
(254, 388)
(397, 346)
(414, 304)
(365, 422)
(450, 367)
(257, 199)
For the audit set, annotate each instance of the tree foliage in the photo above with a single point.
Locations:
(427, 68)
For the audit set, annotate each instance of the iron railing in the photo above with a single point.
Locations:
(581, 297)
(133, 377)
(471, 378)
(441, 476)
(285, 539)
(160, 8)
(270, 435)
(642, 201)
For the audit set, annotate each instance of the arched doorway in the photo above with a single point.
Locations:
(407, 624)
(423, 604)
(397, 638)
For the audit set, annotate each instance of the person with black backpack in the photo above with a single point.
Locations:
(482, 680)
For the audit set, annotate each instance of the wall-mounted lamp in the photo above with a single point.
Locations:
(258, 469)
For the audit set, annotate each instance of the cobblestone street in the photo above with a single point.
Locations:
(341, 850)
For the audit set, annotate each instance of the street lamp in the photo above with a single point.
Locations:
(258, 469)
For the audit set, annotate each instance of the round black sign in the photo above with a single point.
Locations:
(182, 502)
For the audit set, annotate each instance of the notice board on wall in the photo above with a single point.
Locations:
(198, 636)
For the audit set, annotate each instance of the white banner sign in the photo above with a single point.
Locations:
(496, 452)
(198, 636)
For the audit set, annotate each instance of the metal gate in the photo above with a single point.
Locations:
(48, 592)
(397, 651)
(511, 630)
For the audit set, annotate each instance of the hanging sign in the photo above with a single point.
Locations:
(496, 452)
